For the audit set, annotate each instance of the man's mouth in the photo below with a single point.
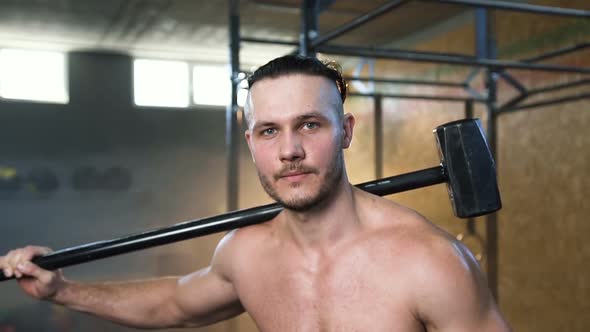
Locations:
(294, 176)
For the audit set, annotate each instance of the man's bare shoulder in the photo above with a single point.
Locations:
(400, 221)
(420, 241)
(241, 245)
(441, 275)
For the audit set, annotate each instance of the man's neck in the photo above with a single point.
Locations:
(327, 224)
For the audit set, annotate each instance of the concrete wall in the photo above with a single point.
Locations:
(177, 164)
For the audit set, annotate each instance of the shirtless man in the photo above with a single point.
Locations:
(336, 259)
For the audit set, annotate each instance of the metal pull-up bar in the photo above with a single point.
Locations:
(514, 6)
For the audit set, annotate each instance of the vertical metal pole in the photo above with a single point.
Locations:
(231, 119)
(486, 47)
(309, 26)
(378, 100)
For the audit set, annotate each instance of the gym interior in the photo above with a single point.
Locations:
(136, 123)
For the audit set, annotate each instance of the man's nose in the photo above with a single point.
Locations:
(291, 147)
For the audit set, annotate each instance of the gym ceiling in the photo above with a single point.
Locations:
(197, 30)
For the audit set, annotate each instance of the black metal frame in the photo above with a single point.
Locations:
(485, 57)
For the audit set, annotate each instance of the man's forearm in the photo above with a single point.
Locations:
(142, 304)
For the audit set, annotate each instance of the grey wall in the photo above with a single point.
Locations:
(176, 158)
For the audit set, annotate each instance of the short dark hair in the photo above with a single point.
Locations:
(297, 64)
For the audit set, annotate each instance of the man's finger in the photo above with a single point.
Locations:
(29, 253)
(15, 259)
(12, 257)
(46, 250)
(2, 263)
(32, 251)
(9, 263)
(30, 269)
(8, 272)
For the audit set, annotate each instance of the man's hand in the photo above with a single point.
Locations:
(35, 281)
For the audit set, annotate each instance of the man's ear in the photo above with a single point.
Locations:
(248, 135)
(348, 127)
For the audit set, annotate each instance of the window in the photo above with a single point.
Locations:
(161, 83)
(211, 85)
(167, 84)
(33, 75)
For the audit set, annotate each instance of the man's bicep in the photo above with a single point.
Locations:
(455, 295)
(206, 297)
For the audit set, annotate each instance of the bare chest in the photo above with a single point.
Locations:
(350, 293)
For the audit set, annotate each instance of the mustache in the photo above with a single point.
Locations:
(294, 168)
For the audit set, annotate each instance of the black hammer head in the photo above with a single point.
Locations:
(470, 168)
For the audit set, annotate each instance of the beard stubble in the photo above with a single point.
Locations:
(328, 183)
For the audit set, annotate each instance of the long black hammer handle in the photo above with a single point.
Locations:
(224, 222)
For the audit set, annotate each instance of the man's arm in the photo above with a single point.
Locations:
(452, 294)
(201, 298)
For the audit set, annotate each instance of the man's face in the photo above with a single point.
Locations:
(296, 135)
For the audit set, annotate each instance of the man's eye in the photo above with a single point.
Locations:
(269, 131)
(311, 125)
